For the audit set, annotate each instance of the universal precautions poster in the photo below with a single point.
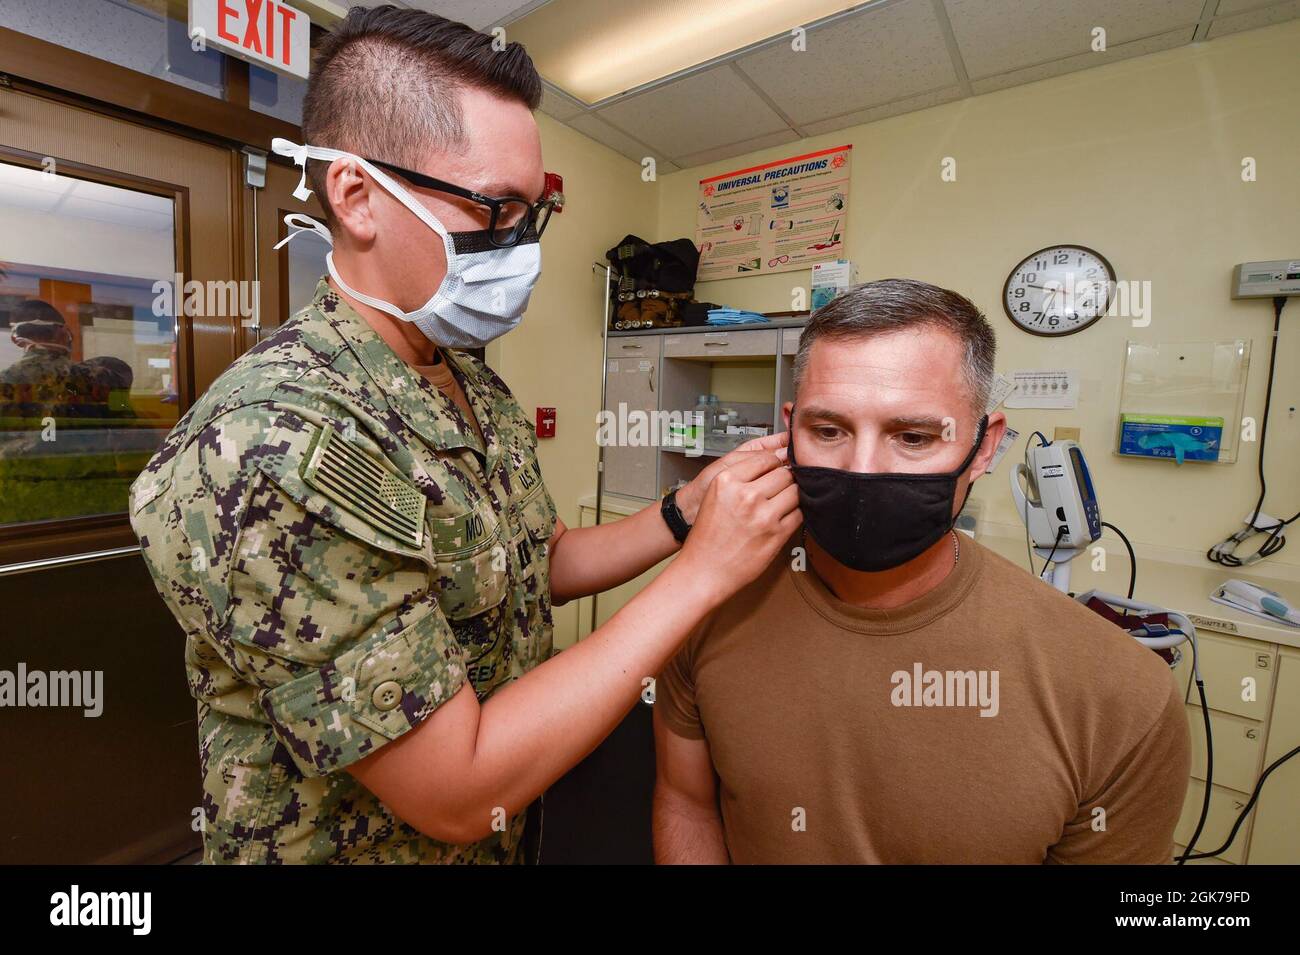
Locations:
(777, 217)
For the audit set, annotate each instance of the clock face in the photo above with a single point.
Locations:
(1059, 290)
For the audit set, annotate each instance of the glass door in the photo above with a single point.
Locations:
(121, 299)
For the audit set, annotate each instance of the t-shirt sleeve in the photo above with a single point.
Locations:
(1131, 818)
(675, 694)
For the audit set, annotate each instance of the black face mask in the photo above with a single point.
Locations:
(875, 522)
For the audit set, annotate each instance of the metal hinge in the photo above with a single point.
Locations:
(254, 167)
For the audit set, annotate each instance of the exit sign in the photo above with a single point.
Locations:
(266, 32)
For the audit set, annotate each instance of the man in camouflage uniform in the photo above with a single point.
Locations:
(45, 381)
(280, 514)
(365, 586)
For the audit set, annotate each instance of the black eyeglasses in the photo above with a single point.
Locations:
(511, 216)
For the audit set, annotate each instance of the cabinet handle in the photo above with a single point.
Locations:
(632, 346)
(707, 342)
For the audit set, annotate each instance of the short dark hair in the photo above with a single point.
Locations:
(891, 305)
(385, 84)
(36, 310)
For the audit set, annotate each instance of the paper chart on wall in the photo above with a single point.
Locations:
(777, 217)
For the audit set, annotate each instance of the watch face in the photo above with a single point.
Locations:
(1059, 290)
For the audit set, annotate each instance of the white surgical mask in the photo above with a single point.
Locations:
(485, 290)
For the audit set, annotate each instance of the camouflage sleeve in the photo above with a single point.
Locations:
(332, 622)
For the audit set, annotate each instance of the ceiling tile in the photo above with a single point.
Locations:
(884, 111)
(738, 149)
(1227, 8)
(1070, 64)
(702, 111)
(557, 104)
(877, 56)
(1254, 19)
(596, 128)
(1000, 37)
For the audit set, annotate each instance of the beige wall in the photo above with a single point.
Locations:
(553, 358)
(1140, 160)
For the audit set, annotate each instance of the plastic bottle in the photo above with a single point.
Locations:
(700, 424)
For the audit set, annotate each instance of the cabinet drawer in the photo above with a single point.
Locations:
(1233, 666)
(1237, 746)
(635, 346)
(790, 340)
(1277, 830)
(756, 343)
(1225, 806)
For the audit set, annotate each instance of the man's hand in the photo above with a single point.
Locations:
(587, 560)
(691, 496)
(749, 511)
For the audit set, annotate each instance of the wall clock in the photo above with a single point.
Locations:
(1059, 290)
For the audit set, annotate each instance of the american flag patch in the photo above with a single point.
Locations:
(369, 488)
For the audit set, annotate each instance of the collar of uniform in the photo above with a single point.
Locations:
(479, 396)
(398, 382)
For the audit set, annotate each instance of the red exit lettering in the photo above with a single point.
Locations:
(259, 19)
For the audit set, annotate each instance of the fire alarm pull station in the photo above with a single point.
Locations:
(546, 422)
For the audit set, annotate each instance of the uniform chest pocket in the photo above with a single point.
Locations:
(470, 558)
(537, 516)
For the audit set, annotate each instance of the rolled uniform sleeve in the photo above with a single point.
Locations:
(332, 625)
(348, 662)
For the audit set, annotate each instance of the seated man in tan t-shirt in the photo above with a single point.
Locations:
(890, 692)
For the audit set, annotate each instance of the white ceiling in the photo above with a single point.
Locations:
(880, 59)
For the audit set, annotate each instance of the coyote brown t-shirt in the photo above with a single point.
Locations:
(986, 722)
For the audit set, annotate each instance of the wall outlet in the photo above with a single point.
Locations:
(1065, 434)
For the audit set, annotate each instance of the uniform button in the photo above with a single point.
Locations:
(387, 695)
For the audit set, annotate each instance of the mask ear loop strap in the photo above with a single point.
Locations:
(970, 459)
(299, 223)
(790, 445)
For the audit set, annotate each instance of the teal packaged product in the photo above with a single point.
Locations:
(1180, 437)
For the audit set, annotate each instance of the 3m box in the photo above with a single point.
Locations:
(830, 279)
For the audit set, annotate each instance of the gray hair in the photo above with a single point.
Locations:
(891, 305)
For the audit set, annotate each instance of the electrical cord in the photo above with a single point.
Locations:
(1132, 560)
(1241, 817)
(1209, 764)
(1060, 532)
(1043, 442)
(1223, 552)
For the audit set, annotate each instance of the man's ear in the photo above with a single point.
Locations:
(997, 427)
(349, 197)
(786, 408)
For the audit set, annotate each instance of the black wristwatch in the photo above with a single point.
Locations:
(673, 516)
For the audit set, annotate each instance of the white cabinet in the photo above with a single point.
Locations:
(1276, 840)
(631, 392)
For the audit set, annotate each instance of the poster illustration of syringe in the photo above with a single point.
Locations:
(777, 217)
